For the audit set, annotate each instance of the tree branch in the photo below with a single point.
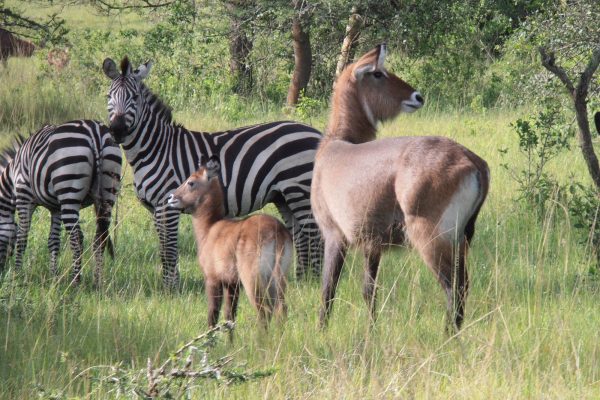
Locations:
(549, 62)
(588, 73)
(120, 7)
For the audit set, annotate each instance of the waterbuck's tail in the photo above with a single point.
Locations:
(275, 261)
(483, 180)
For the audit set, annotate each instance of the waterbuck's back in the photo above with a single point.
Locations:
(367, 189)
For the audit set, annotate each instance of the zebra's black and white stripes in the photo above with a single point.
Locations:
(263, 163)
(62, 168)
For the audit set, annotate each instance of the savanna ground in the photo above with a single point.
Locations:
(531, 328)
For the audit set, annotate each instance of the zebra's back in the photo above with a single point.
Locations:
(69, 162)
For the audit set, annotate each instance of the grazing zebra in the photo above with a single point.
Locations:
(63, 168)
(263, 163)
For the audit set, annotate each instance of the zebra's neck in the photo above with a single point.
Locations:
(162, 153)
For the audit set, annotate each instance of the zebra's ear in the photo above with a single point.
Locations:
(110, 68)
(213, 167)
(143, 70)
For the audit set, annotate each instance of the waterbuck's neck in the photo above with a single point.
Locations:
(210, 211)
(351, 118)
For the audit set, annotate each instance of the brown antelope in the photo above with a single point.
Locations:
(11, 45)
(256, 251)
(374, 193)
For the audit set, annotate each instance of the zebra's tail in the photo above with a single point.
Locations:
(110, 247)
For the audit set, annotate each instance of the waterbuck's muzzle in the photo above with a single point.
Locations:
(118, 128)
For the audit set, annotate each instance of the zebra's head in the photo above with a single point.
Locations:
(125, 96)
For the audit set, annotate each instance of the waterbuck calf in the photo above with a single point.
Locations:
(374, 193)
(256, 251)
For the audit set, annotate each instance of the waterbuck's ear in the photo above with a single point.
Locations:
(213, 167)
(370, 62)
(143, 70)
(110, 68)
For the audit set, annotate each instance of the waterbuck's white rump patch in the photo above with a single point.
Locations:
(460, 209)
(266, 263)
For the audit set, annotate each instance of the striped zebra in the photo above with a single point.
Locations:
(63, 168)
(266, 163)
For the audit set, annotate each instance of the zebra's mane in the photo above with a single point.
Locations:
(8, 153)
(160, 106)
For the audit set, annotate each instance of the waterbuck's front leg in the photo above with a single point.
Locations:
(372, 259)
(335, 251)
(166, 221)
(214, 291)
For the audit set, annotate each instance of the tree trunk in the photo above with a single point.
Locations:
(579, 95)
(350, 39)
(302, 60)
(240, 46)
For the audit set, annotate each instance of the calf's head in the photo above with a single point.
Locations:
(195, 189)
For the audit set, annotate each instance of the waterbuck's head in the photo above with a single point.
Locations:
(367, 93)
(125, 96)
(194, 190)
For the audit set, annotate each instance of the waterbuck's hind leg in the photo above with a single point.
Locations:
(232, 295)
(372, 259)
(439, 253)
(335, 251)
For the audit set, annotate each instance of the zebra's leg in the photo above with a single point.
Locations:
(25, 211)
(166, 220)
(70, 218)
(54, 242)
(300, 241)
(103, 216)
(307, 238)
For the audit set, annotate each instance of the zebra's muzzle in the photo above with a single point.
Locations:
(118, 128)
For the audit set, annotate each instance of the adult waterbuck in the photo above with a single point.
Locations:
(374, 193)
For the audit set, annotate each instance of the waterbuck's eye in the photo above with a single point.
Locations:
(377, 74)
(191, 184)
